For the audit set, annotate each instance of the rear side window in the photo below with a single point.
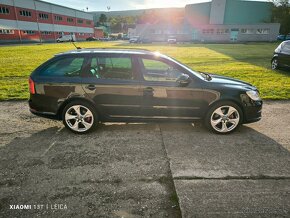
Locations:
(111, 68)
(67, 67)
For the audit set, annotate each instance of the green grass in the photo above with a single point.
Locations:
(248, 62)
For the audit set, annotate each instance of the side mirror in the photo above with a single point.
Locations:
(183, 80)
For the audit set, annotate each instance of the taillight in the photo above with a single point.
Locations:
(31, 86)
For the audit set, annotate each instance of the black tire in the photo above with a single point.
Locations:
(227, 120)
(92, 120)
(275, 64)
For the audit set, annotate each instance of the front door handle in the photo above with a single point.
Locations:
(91, 87)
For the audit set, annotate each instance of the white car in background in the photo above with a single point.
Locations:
(66, 38)
(171, 40)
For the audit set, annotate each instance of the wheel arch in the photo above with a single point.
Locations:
(77, 99)
(274, 57)
(239, 104)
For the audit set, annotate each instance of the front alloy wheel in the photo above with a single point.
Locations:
(275, 64)
(79, 118)
(224, 118)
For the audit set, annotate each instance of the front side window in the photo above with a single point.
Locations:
(68, 67)
(286, 48)
(158, 71)
(111, 68)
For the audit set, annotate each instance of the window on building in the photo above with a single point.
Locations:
(70, 20)
(88, 22)
(207, 31)
(222, 31)
(158, 31)
(5, 31)
(4, 10)
(111, 68)
(81, 34)
(28, 32)
(247, 31)
(46, 32)
(58, 18)
(263, 31)
(25, 13)
(43, 16)
(80, 21)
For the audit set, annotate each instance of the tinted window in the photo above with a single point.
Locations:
(70, 67)
(111, 68)
(155, 70)
(286, 48)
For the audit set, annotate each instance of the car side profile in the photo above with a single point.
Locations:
(281, 57)
(87, 86)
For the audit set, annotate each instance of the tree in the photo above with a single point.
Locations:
(281, 14)
(102, 19)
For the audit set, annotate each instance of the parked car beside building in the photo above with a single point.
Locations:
(66, 38)
(91, 39)
(281, 56)
(283, 37)
(135, 39)
(171, 40)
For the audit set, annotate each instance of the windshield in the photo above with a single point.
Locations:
(195, 73)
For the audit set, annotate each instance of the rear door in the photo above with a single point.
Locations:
(111, 82)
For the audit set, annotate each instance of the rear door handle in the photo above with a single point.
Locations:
(91, 87)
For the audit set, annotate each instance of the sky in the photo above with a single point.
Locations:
(118, 5)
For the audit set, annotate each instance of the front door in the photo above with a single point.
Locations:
(163, 97)
(111, 83)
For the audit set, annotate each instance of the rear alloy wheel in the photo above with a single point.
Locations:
(224, 118)
(79, 117)
(275, 64)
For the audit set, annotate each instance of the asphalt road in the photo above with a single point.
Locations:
(144, 169)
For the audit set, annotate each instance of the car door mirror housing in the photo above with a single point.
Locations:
(183, 80)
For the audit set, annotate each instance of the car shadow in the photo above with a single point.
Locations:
(38, 144)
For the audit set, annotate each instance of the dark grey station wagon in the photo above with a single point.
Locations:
(86, 86)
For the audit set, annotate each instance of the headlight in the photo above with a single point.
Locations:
(254, 95)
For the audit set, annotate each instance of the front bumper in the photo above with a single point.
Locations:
(253, 111)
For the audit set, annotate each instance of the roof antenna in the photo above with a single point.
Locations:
(72, 41)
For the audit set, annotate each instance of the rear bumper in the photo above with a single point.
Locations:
(34, 111)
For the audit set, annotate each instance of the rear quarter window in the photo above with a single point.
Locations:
(64, 67)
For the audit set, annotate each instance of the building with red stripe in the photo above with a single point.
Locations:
(35, 20)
